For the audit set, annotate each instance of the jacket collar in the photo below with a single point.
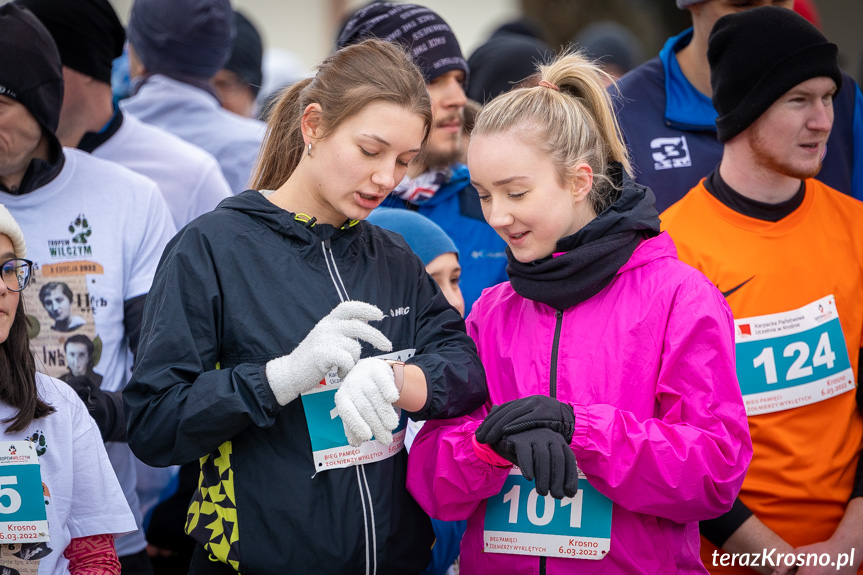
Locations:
(158, 86)
(255, 205)
(457, 180)
(39, 172)
(649, 250)
(685, 107)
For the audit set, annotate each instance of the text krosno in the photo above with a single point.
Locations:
(773, 558)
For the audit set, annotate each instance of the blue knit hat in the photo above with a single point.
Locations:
(425, 238)
(188, 37)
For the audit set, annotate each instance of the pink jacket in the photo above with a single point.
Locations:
(660, 428)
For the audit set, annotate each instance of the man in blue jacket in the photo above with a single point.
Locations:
(669, 123)
(437, 185)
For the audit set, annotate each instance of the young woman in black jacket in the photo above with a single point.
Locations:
(285, 340)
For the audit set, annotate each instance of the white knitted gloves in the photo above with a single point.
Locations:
(365, 402)
(332, 343)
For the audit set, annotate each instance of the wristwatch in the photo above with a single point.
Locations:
(398, 372)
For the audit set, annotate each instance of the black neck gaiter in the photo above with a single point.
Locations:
(575, 276)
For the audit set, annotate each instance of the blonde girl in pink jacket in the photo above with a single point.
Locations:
(614, 422)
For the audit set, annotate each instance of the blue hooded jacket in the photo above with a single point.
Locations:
(670, 129)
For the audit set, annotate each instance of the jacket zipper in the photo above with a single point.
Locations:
(362, 481)
(552, 387)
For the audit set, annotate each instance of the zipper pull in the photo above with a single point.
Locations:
(327, 244)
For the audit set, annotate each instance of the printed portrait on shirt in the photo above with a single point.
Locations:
(63, 331)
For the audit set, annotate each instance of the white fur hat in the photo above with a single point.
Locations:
(9, 227)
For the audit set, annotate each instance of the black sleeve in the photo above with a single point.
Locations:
(858, 481)
(447, 356)
(133, 314)
(178, 405)
(718, 530)
(105, 407)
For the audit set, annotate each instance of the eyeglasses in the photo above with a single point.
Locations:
(16, 273)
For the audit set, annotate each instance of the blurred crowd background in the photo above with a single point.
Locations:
(297, 34)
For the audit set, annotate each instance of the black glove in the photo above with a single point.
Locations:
(106, 408)
(527, 413)
(544, 455)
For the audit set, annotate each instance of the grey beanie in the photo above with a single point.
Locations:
(188, 37)
(684, 4)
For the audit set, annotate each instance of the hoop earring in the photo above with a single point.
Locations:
(310, 149)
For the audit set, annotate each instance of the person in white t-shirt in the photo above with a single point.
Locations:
(64, 502)
(89, 36)
(175, 49)
(93, 225)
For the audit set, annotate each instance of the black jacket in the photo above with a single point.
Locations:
(236, 288)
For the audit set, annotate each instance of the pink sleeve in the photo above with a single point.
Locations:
(92, 555)
(445, 475)
(688, 462)
(489, 455)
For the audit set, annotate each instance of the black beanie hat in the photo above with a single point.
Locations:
(88, 33)
(182, 37)
(248, 53)
(432, 43)
(30, 68)
(502, 62)
(756, 56)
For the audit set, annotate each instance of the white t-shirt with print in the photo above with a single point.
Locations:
(189, 178)
(96, 231)
(82, 495)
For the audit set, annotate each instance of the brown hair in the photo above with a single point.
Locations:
(18, 376)
(573, 124)
(471, 110)
(344, 84)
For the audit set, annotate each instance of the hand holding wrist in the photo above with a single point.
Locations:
(365, 402)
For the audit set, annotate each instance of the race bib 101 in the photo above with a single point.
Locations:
(791, 359)
(330, 447)
(520, 521)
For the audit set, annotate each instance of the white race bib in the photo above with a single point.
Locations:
(330, 447)
(791, 359)
(520, 521)
(23, 518)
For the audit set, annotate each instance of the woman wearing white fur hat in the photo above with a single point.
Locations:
(60, 501)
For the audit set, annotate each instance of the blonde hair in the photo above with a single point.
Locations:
(570, 118)
(345, 83)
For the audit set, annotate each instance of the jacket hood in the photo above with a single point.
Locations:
(634, 210)
(457, 180)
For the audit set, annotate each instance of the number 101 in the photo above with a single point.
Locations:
(513, 497)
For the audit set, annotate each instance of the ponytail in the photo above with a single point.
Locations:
(283, 143)
(569, 114)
